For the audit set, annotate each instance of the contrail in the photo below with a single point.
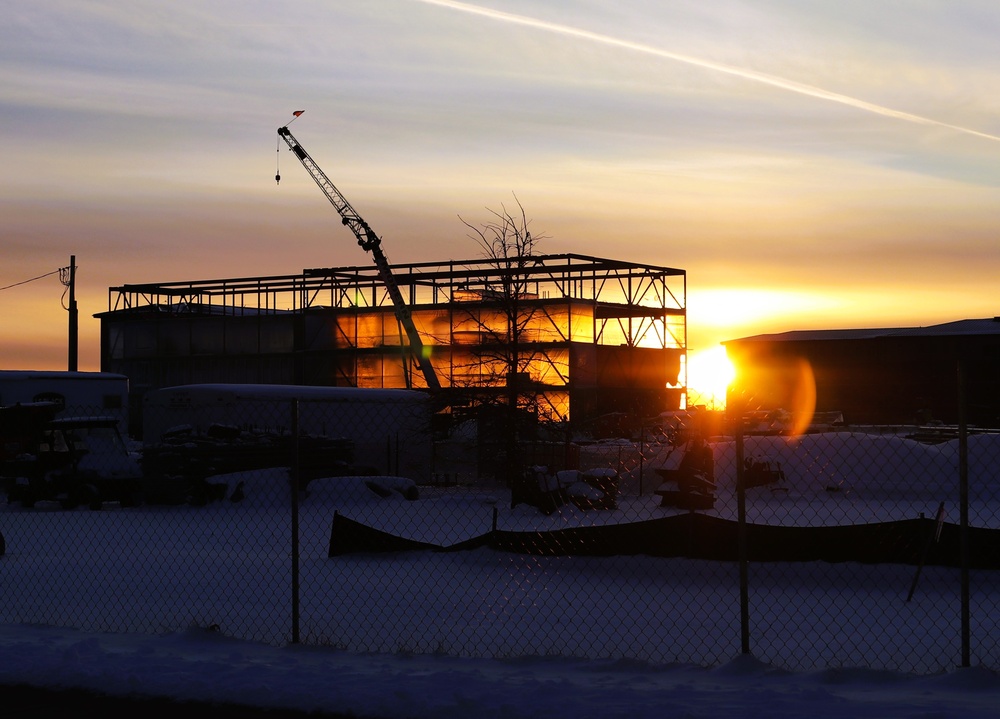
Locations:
(763, 78)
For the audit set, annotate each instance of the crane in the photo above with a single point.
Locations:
(370, 242)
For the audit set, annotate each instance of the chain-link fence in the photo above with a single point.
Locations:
(875, 547)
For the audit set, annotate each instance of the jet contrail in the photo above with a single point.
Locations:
(790, 85)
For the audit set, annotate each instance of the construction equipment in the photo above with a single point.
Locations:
(370, 242)
(69, 460)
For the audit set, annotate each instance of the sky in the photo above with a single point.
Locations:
(830, 164)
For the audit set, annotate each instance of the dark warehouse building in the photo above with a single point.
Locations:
(876, 376)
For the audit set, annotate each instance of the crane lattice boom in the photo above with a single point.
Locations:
(370, 242)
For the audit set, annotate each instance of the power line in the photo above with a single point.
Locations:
(47, 274)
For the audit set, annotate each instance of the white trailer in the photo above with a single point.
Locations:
(390, 429)
(75, 393)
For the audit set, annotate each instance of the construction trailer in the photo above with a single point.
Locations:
(593, 335)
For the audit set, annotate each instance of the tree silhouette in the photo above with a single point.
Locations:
(504, 316)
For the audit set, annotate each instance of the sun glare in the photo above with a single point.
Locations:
(709, 374)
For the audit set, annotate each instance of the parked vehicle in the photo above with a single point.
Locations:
(73, 461)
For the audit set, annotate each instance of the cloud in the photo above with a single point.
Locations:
(740, 72)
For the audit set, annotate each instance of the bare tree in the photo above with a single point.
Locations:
(504, 317)
(506, 311)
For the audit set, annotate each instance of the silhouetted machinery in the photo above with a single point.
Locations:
(370, 242)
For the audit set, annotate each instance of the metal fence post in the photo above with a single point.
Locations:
(741, 534)
(642, 454)
(294, 475)
(963, 493)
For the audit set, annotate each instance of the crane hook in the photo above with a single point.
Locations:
(277, 161)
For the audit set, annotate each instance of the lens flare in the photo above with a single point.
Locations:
(803, 398)
(776, 395)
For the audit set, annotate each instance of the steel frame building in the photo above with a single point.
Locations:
(596, 335)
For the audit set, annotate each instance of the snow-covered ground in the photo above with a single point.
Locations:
(194, 603)
(833, 478)
(200, 665)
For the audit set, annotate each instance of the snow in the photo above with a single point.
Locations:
(202, 665)
(199, 661)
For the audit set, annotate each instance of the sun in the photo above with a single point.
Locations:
(709, 375)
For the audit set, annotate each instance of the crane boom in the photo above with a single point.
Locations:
(370, 242)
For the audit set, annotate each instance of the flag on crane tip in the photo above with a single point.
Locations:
(298, 112)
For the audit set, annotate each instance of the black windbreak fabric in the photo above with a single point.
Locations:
(699, 536)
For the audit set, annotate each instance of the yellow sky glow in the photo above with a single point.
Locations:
(796, 192)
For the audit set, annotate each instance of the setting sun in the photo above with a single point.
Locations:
(709, 374)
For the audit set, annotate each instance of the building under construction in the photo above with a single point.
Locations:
(584, 336)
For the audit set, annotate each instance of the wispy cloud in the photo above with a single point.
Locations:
(743, 73)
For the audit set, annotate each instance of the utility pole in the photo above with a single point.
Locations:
(74, 334)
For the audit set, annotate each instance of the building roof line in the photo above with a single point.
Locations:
(967, 327)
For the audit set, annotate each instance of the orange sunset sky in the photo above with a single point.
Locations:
(826, 164)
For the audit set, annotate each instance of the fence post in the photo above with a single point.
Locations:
(642, 454)
(568, 462)
(963, 494)
(294, 476)
(741, 535)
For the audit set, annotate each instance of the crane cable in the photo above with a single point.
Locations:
(277, 159)
(277, 147)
